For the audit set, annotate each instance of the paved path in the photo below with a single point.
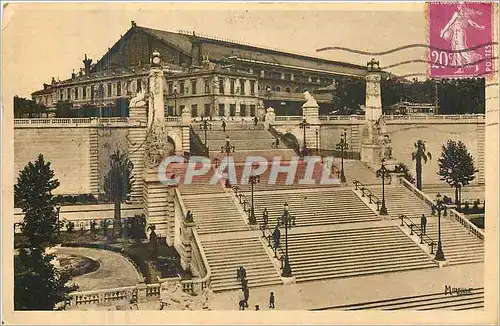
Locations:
(318, 294)
(114, 270)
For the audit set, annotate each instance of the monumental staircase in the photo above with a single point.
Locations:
(314, 207)
(399, 200)
(459, 246)
(472, 300)
(215, 213)
(353, 252)
(225, 256)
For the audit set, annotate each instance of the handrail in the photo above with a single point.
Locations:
(370, 195)
(243, 202)
(415, 227)
(90, 120)
(263, 228)
(456, 215)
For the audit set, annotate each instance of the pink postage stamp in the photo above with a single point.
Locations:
(460, 39)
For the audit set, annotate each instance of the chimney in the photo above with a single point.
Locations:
(46, 86)
(73, 75)
(53, 81)
(133, 23)
(81, 72)
(87, 63)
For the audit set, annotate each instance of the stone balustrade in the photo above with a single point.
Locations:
(444, 118)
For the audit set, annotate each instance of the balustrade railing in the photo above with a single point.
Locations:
(389, 117)
(243, 200)
(91, 121)
(417, 229)
(102, 297)
(460, 218)
(365, 192)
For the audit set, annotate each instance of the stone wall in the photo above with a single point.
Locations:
(68, 150)
(109, 141)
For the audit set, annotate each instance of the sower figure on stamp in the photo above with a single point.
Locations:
(423, 223)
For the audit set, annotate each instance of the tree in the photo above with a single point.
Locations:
(37, 284)
(28, 108)
(137, 227)
(33, 194)
(456, 166)
(402, 168)
(349, 95)
(64, 109)
(418, 155)
(118, 185)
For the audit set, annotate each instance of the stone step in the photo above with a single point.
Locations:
(421, 302)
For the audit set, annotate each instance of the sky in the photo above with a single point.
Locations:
(41, 40)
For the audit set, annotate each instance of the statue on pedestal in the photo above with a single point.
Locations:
(138, 101)
(157, 147)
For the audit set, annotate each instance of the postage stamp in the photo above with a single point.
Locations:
(460, 39)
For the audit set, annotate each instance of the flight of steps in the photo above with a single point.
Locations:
(241, 139)
(353, 252)
(400, 200)
(214, 213)
(357, 170)
(281, 182)
(474, 300)
(225, 256)
(324, 207)
(459, 246)
(199, 184)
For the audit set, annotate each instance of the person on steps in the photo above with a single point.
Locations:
(223, 125)
(423, 223)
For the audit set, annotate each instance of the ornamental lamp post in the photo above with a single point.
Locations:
(228, 149)
(253, 179)
(439, 207)
(342, 146)
(383, 172)
(288, 221)
(205, 125)
(303, 125)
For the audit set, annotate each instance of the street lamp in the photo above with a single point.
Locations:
(288, 221)
(205, 125)
(253, 179)
(383, 172)
(228, 149)
(439, 207)
(343, 145)
(303, 125)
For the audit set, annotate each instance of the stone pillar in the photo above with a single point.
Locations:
(136, 143)
(186, 243)
(94, 162)
(371, 151)
(310, 112)
(185, 122)
(156, 110)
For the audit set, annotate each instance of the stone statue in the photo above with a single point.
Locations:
(387, 147)
(381, 126)
(157, 146)
(310, 101)
(138, 101)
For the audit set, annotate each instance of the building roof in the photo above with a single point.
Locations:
(43, 91)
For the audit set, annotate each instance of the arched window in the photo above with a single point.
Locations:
(277, 89)
(287, 89)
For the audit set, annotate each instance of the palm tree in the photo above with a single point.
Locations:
(118, 184)
(418, 155)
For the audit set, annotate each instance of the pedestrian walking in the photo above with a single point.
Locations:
(243, 274)
(241, 302)
(257, 308)
(223, 125)
(276, 236)
(246, 293)
(265, 216)
(271, 301)
(244, 283)
(255, 120)
(238, 274)
(423, 223)
(277, 142)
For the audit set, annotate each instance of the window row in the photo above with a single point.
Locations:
(236, 86)
(223, 110)
(101, 90)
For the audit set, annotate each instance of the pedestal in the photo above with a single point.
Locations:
(371, 154)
